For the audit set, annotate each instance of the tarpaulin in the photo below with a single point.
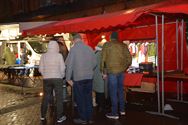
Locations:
(112, 21)
(181, 7)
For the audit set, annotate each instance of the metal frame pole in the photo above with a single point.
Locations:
(182, 41)
(157, 49)
(158, 85)
(162, 60)
(177, 57)
(161, 113)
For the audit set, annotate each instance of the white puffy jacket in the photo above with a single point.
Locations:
(51, 63)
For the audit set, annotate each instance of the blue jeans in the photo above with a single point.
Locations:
(83, 98)
(115, 84)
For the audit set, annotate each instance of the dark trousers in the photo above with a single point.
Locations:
(48, 86)
(83, 98)
(100, 100)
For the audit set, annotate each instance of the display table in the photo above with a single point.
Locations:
(140, 83)
(133, 79)
(19, 74)
(176, 75)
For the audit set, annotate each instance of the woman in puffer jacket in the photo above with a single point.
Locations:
(52, 68)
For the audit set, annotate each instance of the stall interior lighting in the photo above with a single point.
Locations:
(40, 94)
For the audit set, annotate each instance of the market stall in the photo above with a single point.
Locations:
(157, 22)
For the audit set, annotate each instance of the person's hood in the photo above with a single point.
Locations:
(53, 47)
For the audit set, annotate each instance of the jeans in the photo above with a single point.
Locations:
(48, 86)
(115, 82)
(83, 98)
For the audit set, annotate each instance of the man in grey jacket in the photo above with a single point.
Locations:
(80, 65)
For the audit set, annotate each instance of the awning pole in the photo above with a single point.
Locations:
(182, 41)
(177, 57)
(162, 60)
(157, 49)
(162, 74)
(161, 113)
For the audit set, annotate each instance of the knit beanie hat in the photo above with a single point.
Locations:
(114, 36)
(77, 35)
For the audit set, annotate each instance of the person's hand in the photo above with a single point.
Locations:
(70, 82)
(104, 76)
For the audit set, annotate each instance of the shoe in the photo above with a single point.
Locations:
(122, 113)
(79, 121)
(63, 118)
(42, 119)
(90, 122)
(111, 116)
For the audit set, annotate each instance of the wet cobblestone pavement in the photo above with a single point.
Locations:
(17, 109)
(22, 116)
(9, 99)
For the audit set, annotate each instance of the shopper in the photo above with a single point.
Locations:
(8, 56)
(52, 68)
(98, 81)
(62, 47)
(81, 63)
(64, 52)
(115, 59)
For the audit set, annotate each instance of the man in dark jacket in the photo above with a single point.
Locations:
(115, 59)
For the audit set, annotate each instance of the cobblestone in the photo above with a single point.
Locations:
(25, 116)
(17, 109)
(8, 99)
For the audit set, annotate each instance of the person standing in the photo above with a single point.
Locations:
(80, 65)
(98, 81)
(64, 52)
(52, 68)
(115, 61)
(9, 56)
(62, 47)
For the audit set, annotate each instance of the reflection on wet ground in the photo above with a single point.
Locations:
(16, 109)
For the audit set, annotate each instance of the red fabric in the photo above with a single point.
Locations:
(148, 32)
(44, 29)
(149, 80)
(105, 22)
(182, 7)
(133, 79)
(112, 21)
(100, 22)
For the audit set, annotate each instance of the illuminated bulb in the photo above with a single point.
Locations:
(41, 94)
(43, 39)
(103, 36)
